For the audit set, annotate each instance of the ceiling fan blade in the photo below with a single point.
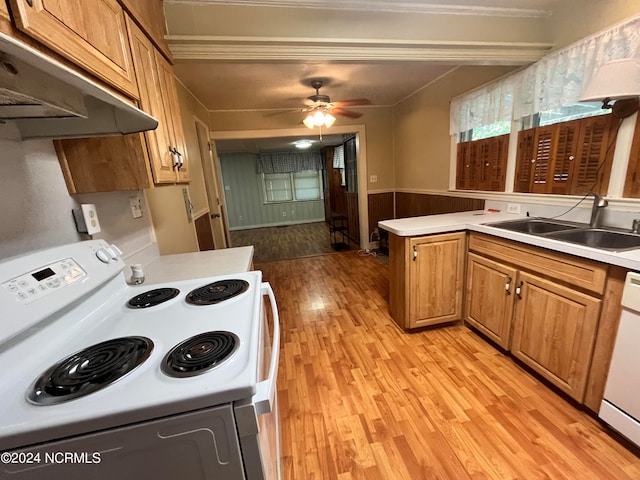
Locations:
(352, 103)
(346, 113)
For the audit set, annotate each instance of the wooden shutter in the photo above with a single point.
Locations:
(632, 182)
(594, 155)
(543, 146)
(462, 165)
(564, 154)
(525, 160)
(473, 173)
(495, 163)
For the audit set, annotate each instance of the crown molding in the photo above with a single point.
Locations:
(187, 47)
(379, 6)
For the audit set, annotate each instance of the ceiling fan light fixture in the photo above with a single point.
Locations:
(329, 120)
(318, 118)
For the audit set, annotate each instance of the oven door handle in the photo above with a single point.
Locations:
(266, 390)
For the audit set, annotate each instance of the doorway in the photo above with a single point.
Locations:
(361, 226)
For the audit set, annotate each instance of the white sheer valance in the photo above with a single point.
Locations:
(555, 81)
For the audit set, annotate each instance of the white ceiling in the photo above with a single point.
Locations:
(262, 54)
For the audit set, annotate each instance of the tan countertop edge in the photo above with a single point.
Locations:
(473, 221)
(185, 266)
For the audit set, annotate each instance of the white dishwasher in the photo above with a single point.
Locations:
(621, 405)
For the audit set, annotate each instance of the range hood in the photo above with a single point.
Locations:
(45, 99)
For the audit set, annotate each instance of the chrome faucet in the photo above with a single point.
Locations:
(599, 202)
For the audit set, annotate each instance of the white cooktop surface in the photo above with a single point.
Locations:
(144, 393)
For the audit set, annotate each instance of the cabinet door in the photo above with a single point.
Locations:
(436, 279)
(172, 114)
(490, 297)
(92, 34)
(554, 332)
(158, 140)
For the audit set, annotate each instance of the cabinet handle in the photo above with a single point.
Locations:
(415, 253)
(175, 160)
(507, 286)
(519, 290)
(30, 3)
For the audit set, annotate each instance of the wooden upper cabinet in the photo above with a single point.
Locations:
(91, 34)
(172, 115)
(158, 97)
(148, 14)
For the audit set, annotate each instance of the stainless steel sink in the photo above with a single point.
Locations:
(578, 233)
(599, 238)
(536, 226)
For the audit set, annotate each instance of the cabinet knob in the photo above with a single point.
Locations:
(415, 253)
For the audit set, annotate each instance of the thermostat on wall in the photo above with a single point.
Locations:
(86, 219)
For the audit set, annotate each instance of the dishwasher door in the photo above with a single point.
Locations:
(621, 405)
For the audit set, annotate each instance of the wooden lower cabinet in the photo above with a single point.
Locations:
(427, 279)
(554, 332)
(546, 308)
(490, 297)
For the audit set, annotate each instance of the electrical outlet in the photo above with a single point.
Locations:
(373, 179)
(513, 208)
(86, 219)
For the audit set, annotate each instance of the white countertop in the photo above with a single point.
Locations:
(474, 220)
(185, 266)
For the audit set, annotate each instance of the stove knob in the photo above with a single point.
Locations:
(117, 250)
(103, 255)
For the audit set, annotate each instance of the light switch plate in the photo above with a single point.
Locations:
(513, 208)
(136, 206)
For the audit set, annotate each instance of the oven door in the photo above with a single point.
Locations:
(257, 419)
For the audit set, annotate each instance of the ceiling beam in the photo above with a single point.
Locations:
(202, 47)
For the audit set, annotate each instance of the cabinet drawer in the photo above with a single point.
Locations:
(585, 274)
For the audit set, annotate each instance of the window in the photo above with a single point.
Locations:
(292, 187)
(487, 131)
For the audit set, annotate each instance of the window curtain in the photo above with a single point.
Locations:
(287, 162)
(556, 80)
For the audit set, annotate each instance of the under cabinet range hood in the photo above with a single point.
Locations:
(45, 99)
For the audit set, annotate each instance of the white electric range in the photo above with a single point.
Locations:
(102, 379)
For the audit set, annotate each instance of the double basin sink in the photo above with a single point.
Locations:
(578, 233)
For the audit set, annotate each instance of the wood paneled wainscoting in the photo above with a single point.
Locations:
(417, 204)
(380, 208)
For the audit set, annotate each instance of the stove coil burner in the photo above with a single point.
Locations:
(90, 370)
(199, 354)
(152, 298)
(217, 292)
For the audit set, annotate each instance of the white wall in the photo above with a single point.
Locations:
(36, 207)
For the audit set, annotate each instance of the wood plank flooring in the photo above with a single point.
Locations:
(360, 399)
(285, 242)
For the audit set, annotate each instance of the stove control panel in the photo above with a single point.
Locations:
(33, 285)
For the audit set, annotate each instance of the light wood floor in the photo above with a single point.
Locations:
(360, 399)
(285, 242)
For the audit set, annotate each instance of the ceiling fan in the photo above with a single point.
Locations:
(321, 110)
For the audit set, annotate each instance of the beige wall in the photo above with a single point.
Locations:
(421, 122)
(595, 15)
(421, 130)
(377, 122)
